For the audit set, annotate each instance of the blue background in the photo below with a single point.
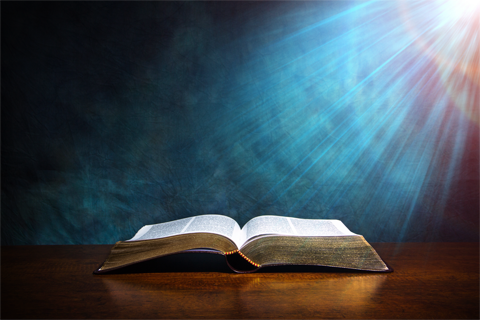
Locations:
(117, 115)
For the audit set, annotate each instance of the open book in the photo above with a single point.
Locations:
(263, 241)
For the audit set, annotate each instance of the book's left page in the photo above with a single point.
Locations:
(213, 232)
(209, 223)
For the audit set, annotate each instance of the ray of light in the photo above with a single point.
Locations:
(251, 106)
(361, 118)
(308, 128)
(345, 130)
(357, 149)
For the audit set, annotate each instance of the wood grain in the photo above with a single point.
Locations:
(431, 280)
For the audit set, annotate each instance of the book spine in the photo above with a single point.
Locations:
(243, 256)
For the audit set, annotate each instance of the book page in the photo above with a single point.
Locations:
(267, 225)
(210, 223)
(294, 226)
(320, 227)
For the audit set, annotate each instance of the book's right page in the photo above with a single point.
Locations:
(275, 240)
(294, 226)
(324, 228)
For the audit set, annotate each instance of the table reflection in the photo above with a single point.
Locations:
(273, 293)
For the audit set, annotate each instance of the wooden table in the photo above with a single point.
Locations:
(431, 280)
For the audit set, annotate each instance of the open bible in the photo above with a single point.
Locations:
(263, 241)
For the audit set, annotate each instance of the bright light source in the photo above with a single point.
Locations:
(454, 11)
(448, 31)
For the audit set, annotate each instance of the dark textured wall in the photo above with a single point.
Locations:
(116, 115)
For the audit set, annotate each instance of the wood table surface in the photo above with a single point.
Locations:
(430, 280)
